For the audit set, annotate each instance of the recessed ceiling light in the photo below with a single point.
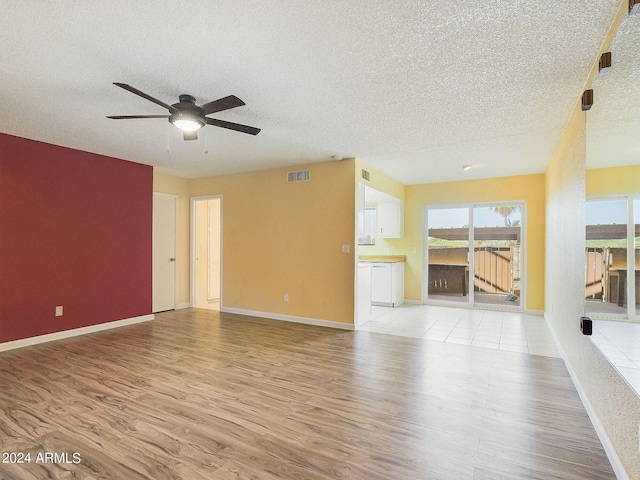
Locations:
(336, 157)
(466, 167)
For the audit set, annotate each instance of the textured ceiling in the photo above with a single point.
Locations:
(414, 88)
(613, 123)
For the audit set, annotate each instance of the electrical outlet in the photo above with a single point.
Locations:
(59, 311)
(286, 297)
(345, 248)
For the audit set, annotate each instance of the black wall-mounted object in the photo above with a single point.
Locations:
(604, 64)
(586, 325)
(587, 100)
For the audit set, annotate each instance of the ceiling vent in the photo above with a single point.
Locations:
(300, 176)
(366, 175)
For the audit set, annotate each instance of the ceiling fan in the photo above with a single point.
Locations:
(188, 116)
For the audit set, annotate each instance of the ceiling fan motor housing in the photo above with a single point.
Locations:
(187, 110)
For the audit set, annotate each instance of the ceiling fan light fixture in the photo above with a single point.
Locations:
(187, 123)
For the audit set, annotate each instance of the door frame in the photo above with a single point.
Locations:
(194, 246)
(176, 200)
(632, 288)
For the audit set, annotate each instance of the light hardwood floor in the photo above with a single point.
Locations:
(204, 395)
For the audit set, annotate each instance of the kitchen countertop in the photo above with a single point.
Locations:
(382, 258)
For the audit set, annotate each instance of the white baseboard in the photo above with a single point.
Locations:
(616, 464)
(73, 333)
(538, 313)
(289, 318)
(183, 305)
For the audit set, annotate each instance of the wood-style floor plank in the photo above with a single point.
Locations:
(203, 395)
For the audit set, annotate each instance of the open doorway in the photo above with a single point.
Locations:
(206, 231)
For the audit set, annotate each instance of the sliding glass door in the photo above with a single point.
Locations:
(448, 254)
(497, 254)
(612, 257)
(474, 254)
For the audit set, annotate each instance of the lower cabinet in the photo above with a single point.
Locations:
(387, 284)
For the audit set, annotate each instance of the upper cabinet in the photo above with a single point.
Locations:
(379, 216)
(390, 219)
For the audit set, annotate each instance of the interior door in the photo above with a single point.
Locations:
(164, 252)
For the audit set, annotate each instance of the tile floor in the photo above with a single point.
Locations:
(515, 332)
(620, 343)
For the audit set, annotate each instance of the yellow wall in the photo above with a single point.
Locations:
(379, 180)
(613, 181)
(529, 188)
(281, 237)
(267, 221)
(382, 183)
(163, 183)
(615, 404)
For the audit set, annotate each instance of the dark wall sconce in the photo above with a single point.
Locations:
(604, 65)
(587, 100)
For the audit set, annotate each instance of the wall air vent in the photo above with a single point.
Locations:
(366, 175)
(300, 176)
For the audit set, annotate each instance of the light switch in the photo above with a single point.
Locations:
(59, 311)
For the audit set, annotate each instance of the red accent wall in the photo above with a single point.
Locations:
(76, 231)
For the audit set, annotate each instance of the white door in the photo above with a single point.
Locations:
(164, 252)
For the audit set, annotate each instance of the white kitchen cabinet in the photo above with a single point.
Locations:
(390, 220)
(387, 284)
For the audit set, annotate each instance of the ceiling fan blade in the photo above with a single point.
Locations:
(221, 104)
(144, 95)
(124, 117)
(190, 135)
(232, 126)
